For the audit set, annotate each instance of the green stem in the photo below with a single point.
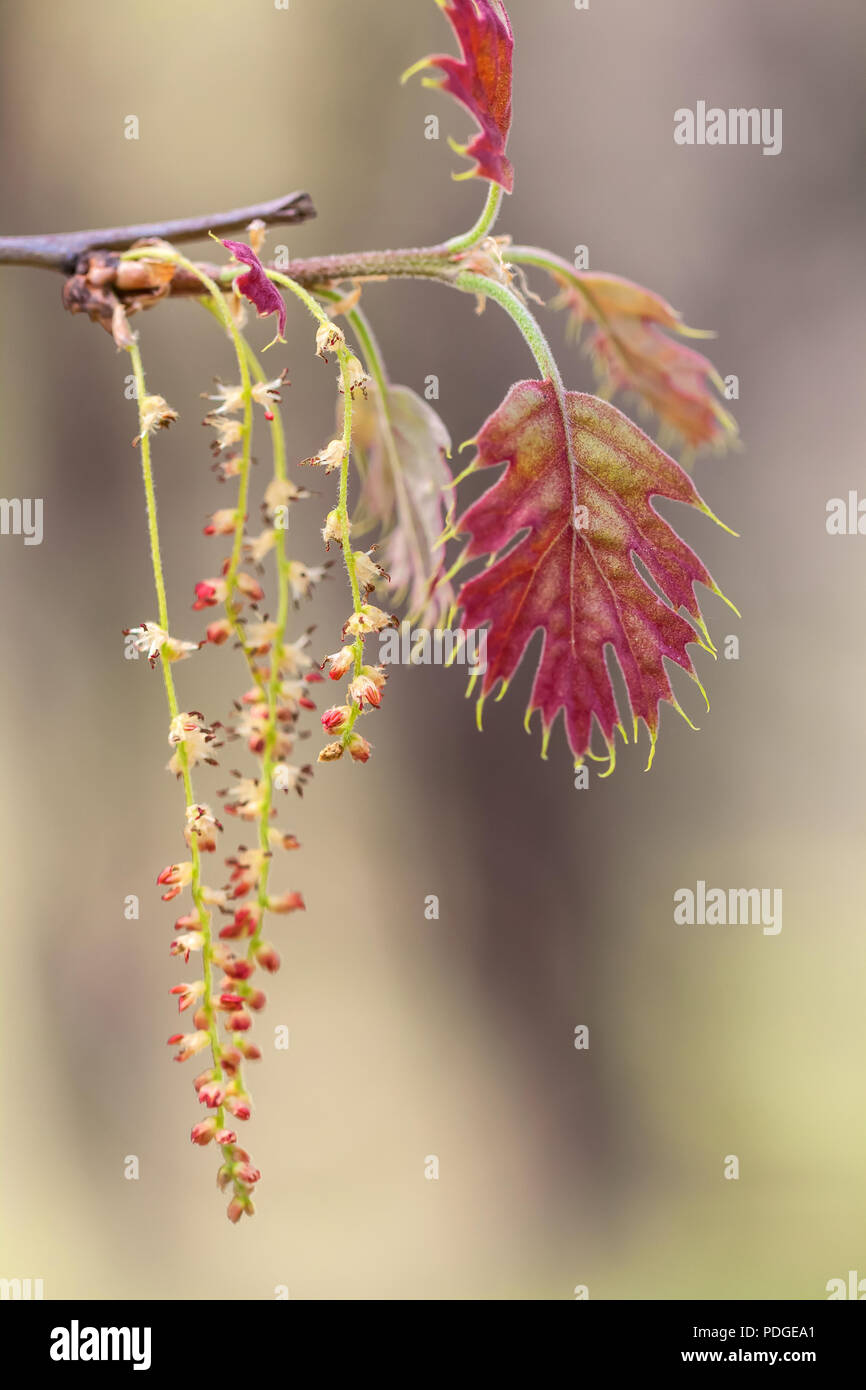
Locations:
(370, 350)
(558, 268)
(546, 260)
(231, 613)
(278, 440)
(150, 502)
(222, 311)
(344, 357)
(484, 224)
(171, 697)
(375, 363)
(538, 345)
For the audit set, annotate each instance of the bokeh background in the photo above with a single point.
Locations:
(455, 1038)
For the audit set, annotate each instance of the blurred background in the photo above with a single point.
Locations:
(455, 1037)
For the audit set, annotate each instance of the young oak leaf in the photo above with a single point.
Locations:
(401, 446)
(631, 350)
(481, 81)
(255, 286)
(574, 507)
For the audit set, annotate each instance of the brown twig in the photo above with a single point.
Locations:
(62, 250)
(108, 288)
(412, 263)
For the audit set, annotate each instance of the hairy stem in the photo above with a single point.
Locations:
(222, 312)
(538, 345)
(563, 272)
(560, 269)
(278, 442)
(171, 696)
(375, 364)
(483, 226)
(344, 356)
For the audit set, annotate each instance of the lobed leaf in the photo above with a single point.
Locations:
(481, 81)
(572, 513)
(632, 350)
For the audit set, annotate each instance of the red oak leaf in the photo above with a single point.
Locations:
(632, 351)
(255, 286)
(575, 497)
(481, 81)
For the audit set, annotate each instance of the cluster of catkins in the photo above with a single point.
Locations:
(227, 996)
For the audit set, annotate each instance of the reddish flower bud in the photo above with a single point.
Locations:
(246, 919)
(212, 1094)
(246, 1173)
(222, 523)
(287, 902)
(189, 994)
(250, 587)
(190, 1043)
(336, 719)
(177, 876)
(359, 748)
(209, 592)
(340, 662)
(230, 1000)
(239, 1107)
(367, 687)
(219, 632)
(239, 1022)
(276, 837)
(238, 969)
(268, 957)
(231, 1060)
(190, 941)
(204, 1131)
